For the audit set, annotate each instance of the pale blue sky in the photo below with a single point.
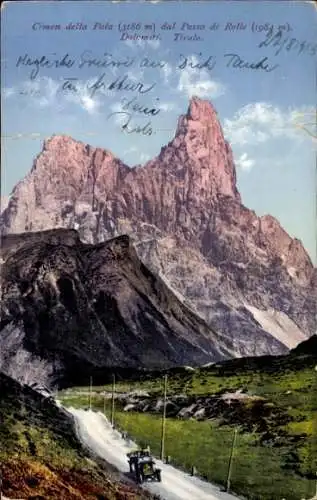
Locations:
(275, 160)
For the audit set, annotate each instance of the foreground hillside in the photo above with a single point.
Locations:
(41, 457)
(70, 310)
(270, 401)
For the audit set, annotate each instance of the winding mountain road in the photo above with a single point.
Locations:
(95, 431)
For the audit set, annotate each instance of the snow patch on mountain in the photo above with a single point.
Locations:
(278, 325)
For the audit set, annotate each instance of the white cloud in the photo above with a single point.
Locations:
(83, 98)
(24, 135)
(166, 72)
(41, 92)
(197, 82)
(258, 122)
(8, 92)
(244, 162)
(168, 106)
(130, 43)
(136, 75)
(134, 156)
(142, 44)
(144, 157)
(45, 92)
(119, 119)
(305, 120)
(154, 44)
(132, 149)
(48, 97)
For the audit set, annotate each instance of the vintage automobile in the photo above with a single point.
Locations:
(143, 466)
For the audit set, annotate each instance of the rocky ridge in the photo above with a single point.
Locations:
(70, 310)
(248, 411)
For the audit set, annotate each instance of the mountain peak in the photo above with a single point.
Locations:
(202, 119)
(183, 211)
(199, 147)
(65, 143)
(58, 140)
(201, 110)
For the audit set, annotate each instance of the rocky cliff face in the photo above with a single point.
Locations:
(242, 273)
(69, 309)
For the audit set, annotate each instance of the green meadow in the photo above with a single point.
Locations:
(280, 463)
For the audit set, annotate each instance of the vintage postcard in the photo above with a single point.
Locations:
(158, 250)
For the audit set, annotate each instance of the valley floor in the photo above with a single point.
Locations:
(96, 432)
(262, 410)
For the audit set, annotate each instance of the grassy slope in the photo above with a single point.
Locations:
(278, 463)
(41, 457)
